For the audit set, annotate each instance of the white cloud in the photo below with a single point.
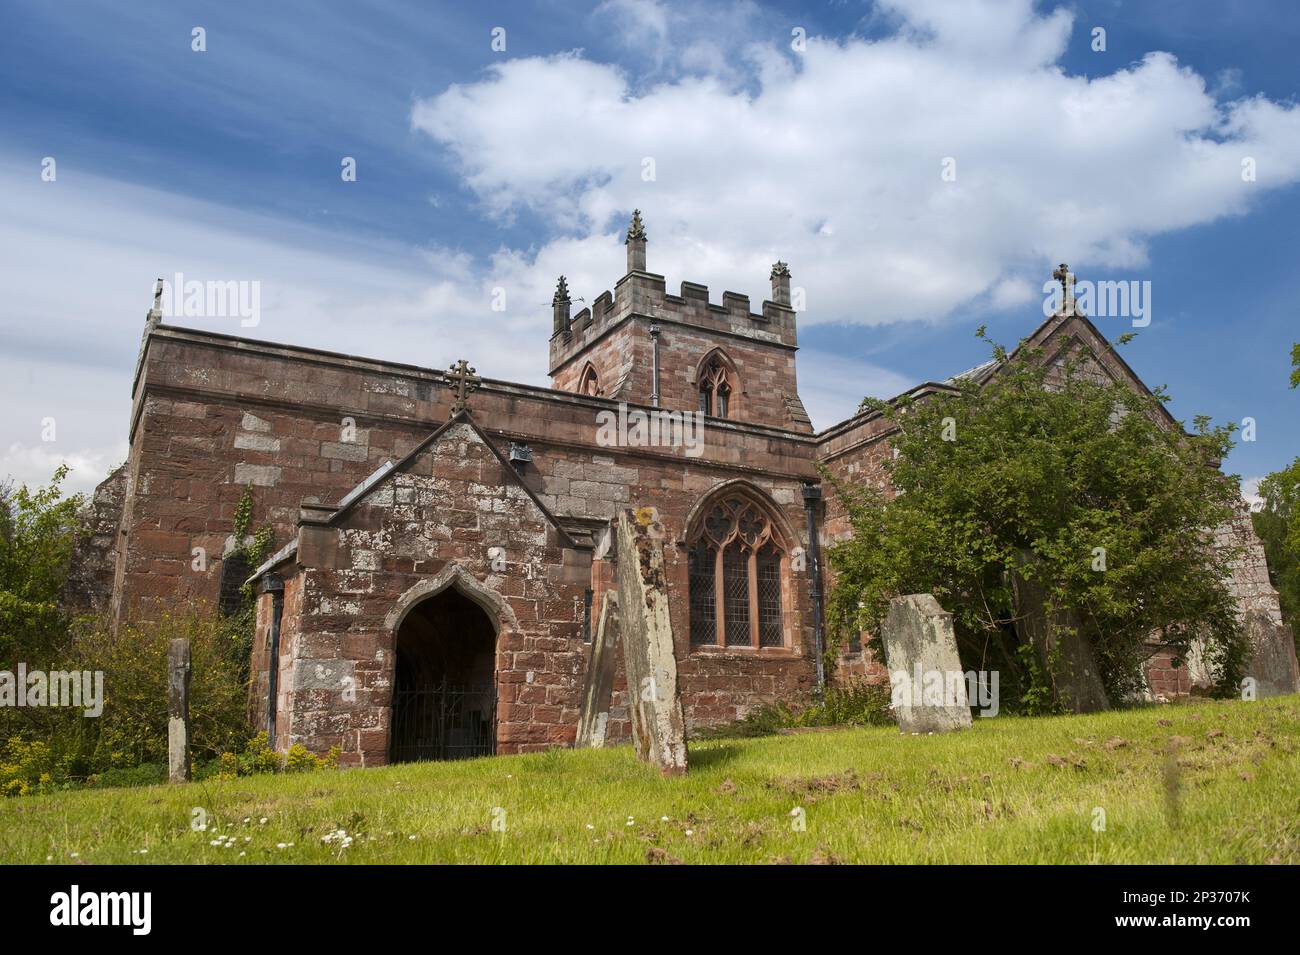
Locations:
(35, 465)
(639, 23)
(1250, 493)
(669, 39)
(832, 159)
(832, 386)
(80, 255)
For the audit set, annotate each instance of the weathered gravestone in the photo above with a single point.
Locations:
(927, 683)
(1272, 663)
(645, 628)
(1061, 644)
(599, 688)
(178, 711)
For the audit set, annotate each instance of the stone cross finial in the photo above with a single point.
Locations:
(636, 230)
(781, 284)
(636, 243)
(561, 291)
(560, 306)
(463, 382)
(1066, 278)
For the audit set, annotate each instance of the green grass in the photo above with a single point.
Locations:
(1010, 791)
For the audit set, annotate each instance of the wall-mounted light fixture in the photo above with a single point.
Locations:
(520, 455)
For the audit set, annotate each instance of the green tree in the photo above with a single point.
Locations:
(39, 530)
(1074, 472)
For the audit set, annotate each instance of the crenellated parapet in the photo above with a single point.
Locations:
(642, 343)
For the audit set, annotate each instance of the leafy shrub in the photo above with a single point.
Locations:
(38, 531)
(1051, 476)
(259, 757)
(146, 774)
(1036, 698)
(25, 767)
(132, 729)
(857, 704)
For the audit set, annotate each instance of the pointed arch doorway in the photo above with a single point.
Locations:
(444, 686)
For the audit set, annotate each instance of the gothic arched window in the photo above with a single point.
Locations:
(715, 389)
(589, 383)
(735, 575)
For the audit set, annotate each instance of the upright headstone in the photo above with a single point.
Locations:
(1199, 671)
(598, 690)
(1061, 644)
(645, 626)
(178, 711)
(1272, 662)
(927, 683)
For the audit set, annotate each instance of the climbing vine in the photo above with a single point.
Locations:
(250, 551)
(259, 549)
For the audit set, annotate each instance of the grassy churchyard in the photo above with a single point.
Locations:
(1205, 782)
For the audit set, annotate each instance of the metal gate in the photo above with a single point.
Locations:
(444, 722)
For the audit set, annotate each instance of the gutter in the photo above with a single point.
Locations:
(275, 560)
(274, 585)
(812, 495)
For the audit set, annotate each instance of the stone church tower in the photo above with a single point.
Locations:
(643, 345)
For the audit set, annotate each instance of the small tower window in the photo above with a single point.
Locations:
(715, 389)
(590, 383)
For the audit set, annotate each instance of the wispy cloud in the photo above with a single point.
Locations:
(829, 158)
(834, 158)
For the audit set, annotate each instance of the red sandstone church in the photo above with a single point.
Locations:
(444, 538)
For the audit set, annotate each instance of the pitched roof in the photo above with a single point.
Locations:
(983, 372)
(377, 479)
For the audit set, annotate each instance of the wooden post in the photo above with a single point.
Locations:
(178, 711)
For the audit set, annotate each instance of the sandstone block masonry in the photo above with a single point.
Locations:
(401, 520)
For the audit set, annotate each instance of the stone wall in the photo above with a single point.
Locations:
(1166, 680)
(215, 415)
(429, 527)
(90, 577)
(854, 454)
(1249, 583)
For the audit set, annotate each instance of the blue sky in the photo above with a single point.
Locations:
(482, 169)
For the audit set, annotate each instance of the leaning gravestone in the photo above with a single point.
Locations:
(1061, 644)
(178, 711)
(1272, 663)
(645, 627)
(599, 688)
(927, 683)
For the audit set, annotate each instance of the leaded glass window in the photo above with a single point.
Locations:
(736, 570)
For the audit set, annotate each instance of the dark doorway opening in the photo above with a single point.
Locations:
(444, 693)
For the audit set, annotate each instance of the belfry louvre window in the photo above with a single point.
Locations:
(715, 390)
(735, 569)
(590, 383)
